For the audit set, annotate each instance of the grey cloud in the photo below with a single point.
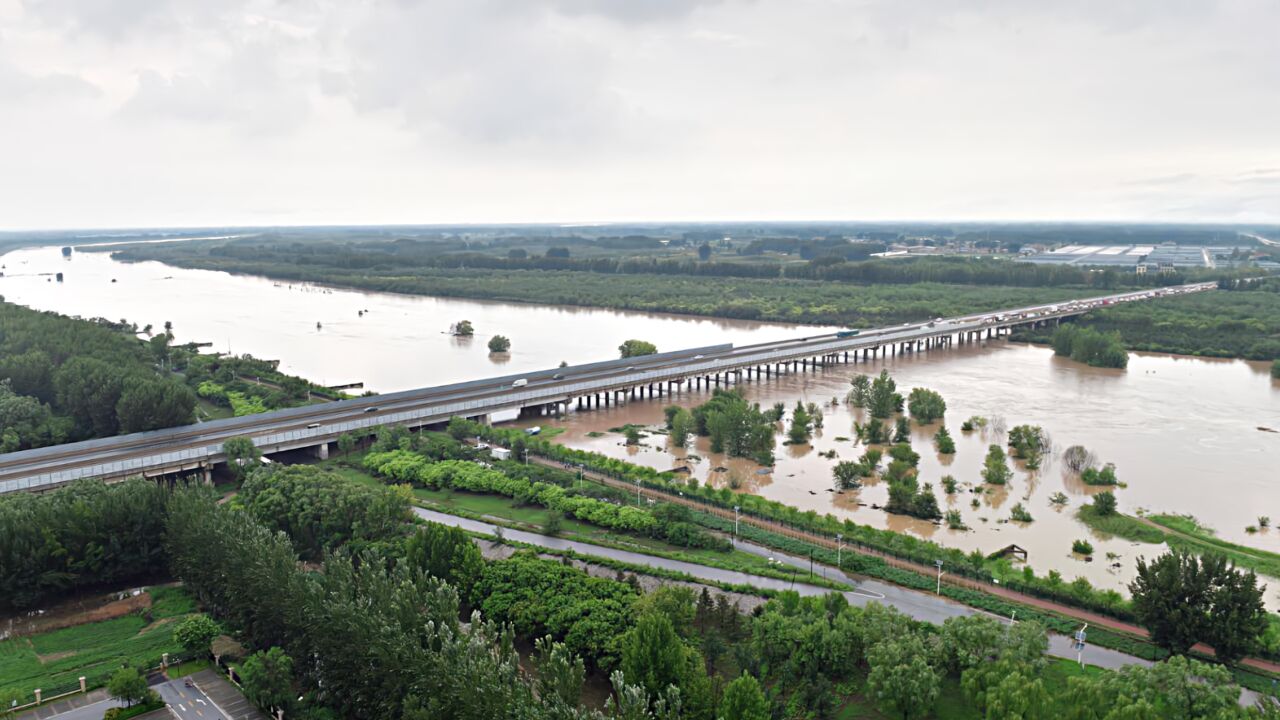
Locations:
(461, 68)
(247, 92)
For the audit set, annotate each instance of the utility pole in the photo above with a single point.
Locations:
(939, 564)
(737, 515)
(839, 547)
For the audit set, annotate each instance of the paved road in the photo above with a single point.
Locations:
(188, 703)
(921, 606)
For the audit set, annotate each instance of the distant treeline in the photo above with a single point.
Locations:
(403, 255)
(1240, 323)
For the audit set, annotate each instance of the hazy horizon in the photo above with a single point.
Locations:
(152, 113)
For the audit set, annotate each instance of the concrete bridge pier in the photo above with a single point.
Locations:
(321, 451)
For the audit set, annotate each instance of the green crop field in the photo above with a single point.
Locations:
(55, 661)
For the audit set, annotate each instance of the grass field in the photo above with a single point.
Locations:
(1190, 535)
(1184, 533)
(54, 661)
(1129, 528)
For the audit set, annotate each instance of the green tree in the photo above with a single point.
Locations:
(968, 641)
(1183, 599)
(447, 553)
(499, 344)
(462, 328)
(1018, 697)
(848, 475)
(682, 426)
(704, 252)
(560, 675)
(1104, 504)
(800, 429)
(636, 348)
(242, 456)
(943, 441)
(995, 470)
(743, 700)
(860, 392)
(900, 678)
(346, 443)
(653, 656)
(196, 632)
(902, 431)
(149, 404)
(128, 685)
(883, 399)
(1275, 369)
(267, 679)
(925, 405)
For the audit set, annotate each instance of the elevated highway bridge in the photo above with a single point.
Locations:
(197, 448)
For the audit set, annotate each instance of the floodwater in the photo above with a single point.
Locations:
(401, 342)
(1183, 432)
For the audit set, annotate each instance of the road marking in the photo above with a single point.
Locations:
(199, 712)
(200, 701)
(182, 707)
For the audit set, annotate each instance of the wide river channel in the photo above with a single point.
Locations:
(1184, 433)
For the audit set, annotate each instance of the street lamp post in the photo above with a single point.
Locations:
(939, 564)
(839, 547)
(637, 491)
(737, 515)
(1080, 638)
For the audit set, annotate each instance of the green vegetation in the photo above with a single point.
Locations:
(1029, 443)
(1187, 534)
(1105, 476)
(55, 660)
(1275, 368)
(994, 469)
(767, 297)
(68, 379)
(85, 536)
(735, 427)
(636, 348)
(1236, 323)
(321, 511)
(1082, 547)
(499, 344)
(925, 405)
(462, 328)
(1019, 513)
(945, 444)
(1183, 599)
(1090, 346)
(801, 430)
(244, 384)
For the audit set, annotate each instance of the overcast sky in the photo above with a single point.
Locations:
(221, 112)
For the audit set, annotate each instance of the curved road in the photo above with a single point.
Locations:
(918, 605)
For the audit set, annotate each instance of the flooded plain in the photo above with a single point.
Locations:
(1183, 432)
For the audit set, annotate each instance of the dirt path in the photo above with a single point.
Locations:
(823, 541)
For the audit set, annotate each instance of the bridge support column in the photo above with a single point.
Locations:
(207, 475)
(322, 451)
